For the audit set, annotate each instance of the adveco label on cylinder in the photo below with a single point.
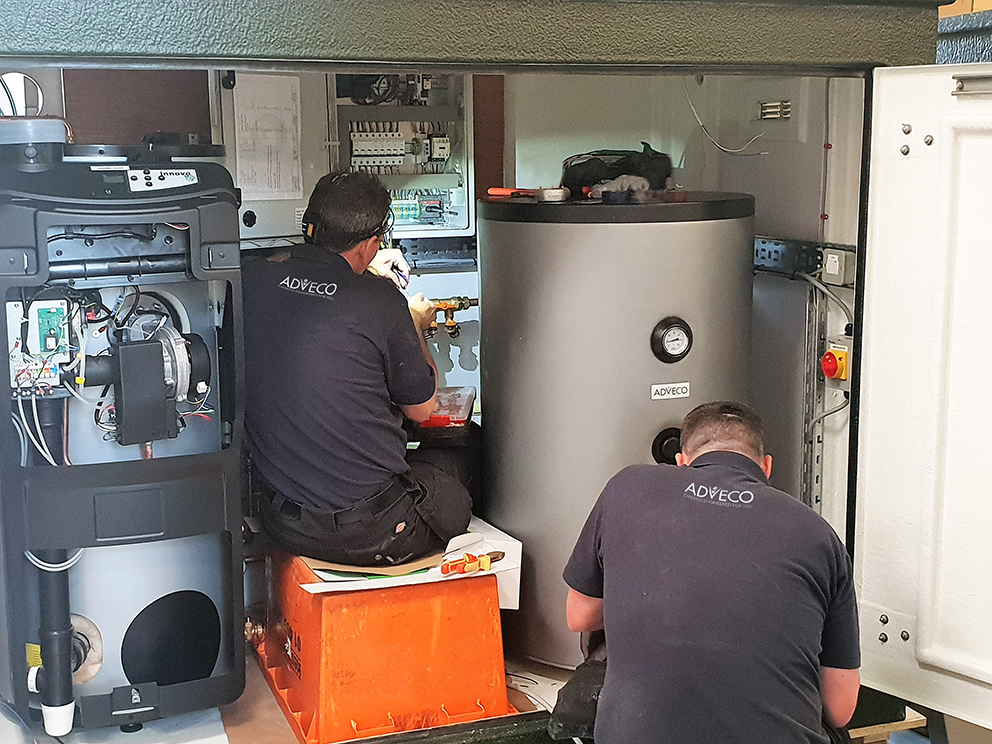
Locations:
(670, 390)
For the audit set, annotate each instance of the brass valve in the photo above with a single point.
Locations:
(449, 307)
(254, 632)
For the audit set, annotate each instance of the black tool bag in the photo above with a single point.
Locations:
(574, 716)
(591, 168)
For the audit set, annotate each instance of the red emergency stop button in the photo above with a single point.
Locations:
(834, 364)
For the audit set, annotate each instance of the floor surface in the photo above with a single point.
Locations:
(255, 717)
(907, 737)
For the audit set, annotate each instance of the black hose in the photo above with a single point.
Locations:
(55, 631)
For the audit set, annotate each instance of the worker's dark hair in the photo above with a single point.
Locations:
(723, 425)
(345, 209)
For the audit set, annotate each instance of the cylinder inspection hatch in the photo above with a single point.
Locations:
(601, 327)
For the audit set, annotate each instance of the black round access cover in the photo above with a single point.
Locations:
(666, 445)
(174, 639)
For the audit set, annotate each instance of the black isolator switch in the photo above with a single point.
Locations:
(249, 219)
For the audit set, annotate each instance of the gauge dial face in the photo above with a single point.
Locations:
(675, 341)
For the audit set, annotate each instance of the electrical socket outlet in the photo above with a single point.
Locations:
(838, 267)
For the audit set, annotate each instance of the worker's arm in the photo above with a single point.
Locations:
(583, 613)
(422, 312)
(839, 690)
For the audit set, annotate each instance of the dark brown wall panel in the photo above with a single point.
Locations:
(489, 114)
(121, 106)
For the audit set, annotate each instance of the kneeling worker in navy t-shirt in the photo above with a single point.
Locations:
(335, 359)
(728, 605)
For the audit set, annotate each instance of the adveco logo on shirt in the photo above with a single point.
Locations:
(719, 496)
(309, 287)
(670, 390)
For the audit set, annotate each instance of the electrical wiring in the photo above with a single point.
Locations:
(817, 419)
(109, 428)
(22, 437)
(41, 433)
(67, 235)
(77, 327)
(27, 429)
(65, 433)
(53, 567)
(135, 299)
(201, 405)
(158, 327)
(77, 396)
(739, 151)
(831, 295)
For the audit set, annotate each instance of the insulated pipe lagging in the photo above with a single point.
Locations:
(57, 704)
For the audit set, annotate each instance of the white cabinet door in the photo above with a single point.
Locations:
(924, 539)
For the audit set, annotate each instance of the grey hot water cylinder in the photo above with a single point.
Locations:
(602, 326)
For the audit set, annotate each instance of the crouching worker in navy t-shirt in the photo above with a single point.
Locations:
(728, 605)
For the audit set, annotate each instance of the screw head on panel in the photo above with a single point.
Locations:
(883, 637)
(906, 128)
(883, 619)
(904, 149)
(904, 635)
(928, 140)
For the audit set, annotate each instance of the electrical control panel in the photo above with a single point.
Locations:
(283, 131)
(413, 131)
(38, 342)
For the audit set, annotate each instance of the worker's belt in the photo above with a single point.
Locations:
(395, 489)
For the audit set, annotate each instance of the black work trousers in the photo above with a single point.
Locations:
(410, 516)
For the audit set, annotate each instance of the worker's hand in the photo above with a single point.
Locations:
(390, 264)
(422, 311)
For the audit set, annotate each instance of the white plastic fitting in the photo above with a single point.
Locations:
(33, 679)
(58, 719)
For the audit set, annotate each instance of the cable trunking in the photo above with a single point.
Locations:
(120, 547)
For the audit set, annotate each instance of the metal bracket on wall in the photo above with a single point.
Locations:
(784, 256)
(814, 402)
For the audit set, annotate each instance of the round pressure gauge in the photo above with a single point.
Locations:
(671, 340)
(675, 341)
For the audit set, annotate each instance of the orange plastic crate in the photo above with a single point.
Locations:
(356, 664)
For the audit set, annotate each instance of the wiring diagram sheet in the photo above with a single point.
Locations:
(267, 136)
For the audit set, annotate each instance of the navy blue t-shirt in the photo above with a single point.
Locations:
(722, 598)
(330, 355)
